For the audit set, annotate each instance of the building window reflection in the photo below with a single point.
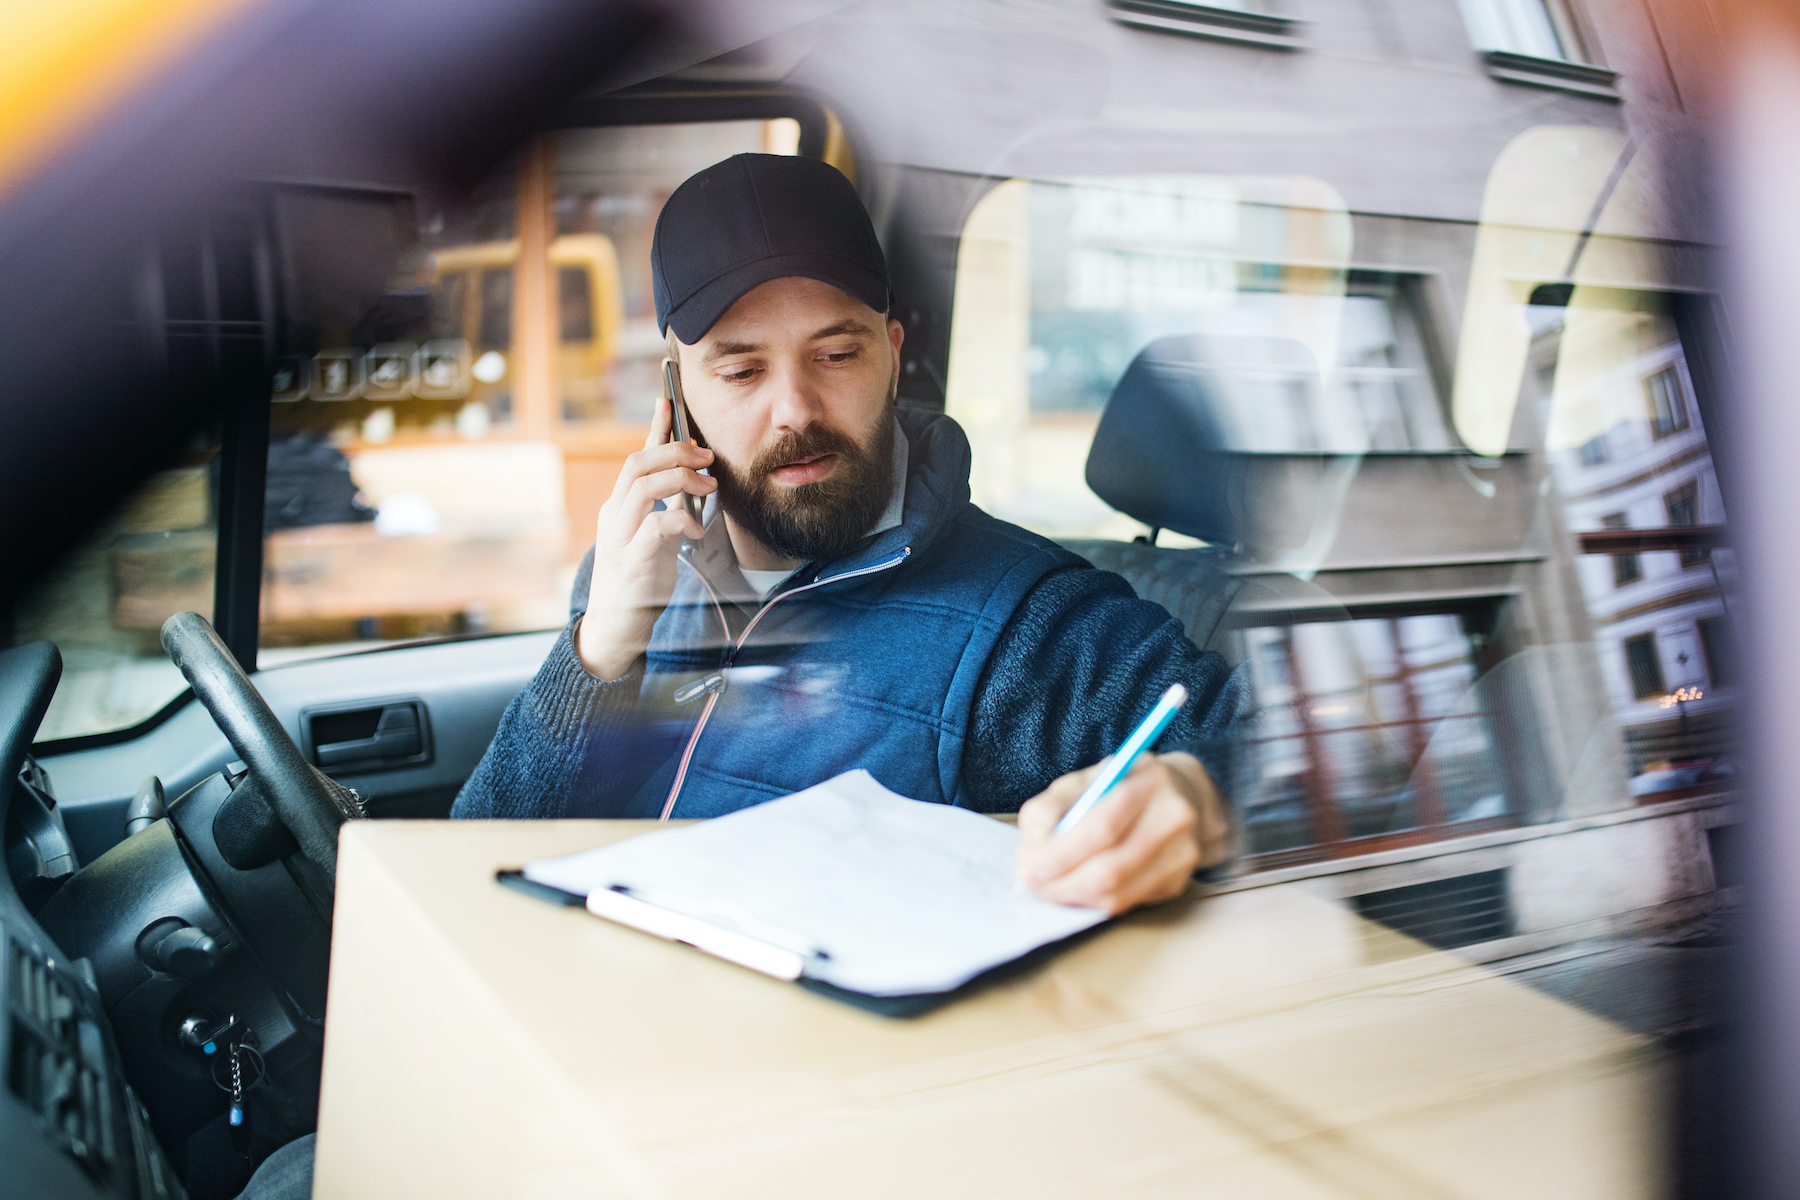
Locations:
(1668, 414)
(1369, 728)
(1626, 568)
(1645, 666)
(1663, 641)
(1683, 506)
(1516, 26)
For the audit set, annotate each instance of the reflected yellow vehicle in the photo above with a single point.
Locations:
(474, 290)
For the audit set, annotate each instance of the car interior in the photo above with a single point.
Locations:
(318, 610)
(207, 828)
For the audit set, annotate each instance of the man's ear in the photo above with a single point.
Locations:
(896, 334)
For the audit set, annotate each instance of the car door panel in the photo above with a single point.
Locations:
(459, 689)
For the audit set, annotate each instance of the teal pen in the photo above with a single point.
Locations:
(1116, 766)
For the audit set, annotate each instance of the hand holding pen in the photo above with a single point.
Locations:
(1127, 831)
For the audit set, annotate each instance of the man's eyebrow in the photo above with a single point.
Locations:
(727, 349)
(847, 325)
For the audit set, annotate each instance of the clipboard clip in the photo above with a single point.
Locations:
(770, 950)
(742, 921)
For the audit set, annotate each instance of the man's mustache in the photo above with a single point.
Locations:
(811, 442)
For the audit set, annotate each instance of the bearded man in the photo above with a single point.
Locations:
(840, 603)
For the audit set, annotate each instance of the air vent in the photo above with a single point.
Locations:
(1445, 913)
(55, 1058)
(56, 1061)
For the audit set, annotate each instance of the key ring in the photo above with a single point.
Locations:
(258, 1069)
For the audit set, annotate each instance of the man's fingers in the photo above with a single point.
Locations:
(1163, 875)
(634, 567)
(649, 476)
(666, 484)
(1213, 829)
(662, 416)
(1152, 864)
(1106, 824)
(1039, 815)
(659, 457)
(670, 525)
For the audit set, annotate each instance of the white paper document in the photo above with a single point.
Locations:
(850, 883)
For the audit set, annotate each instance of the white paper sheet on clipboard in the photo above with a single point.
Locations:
(844, 882)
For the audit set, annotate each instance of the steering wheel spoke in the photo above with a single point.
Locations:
(307, 806)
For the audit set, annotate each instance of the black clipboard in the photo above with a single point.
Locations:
(885, 1006)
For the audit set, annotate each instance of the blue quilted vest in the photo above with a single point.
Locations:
(870, 661)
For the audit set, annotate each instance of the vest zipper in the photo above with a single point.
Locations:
(712, 699)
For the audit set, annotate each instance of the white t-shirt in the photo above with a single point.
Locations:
(764, 581)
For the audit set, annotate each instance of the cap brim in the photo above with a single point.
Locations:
(713, 299)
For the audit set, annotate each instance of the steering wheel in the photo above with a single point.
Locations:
(210, 925)
(283, 786)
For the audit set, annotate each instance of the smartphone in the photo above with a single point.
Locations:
(680, 430)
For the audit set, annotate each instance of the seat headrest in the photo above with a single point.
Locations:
(1171, 448)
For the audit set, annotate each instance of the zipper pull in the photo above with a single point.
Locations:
(700, 687)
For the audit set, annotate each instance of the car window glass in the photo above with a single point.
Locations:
(1496, 589)
(1059, 285)
(436, 465)
(1633, 470)
(1364, 728)
(105, 602)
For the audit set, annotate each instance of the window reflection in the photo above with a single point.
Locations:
(105, 602)
(1060, 285)
(1661, 617)
(1364, 728)
(437, 464)
(1518, 26)
(1523, 486)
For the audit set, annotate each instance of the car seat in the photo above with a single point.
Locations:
(1166, 453)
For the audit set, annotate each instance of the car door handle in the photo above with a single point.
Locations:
(393, 733)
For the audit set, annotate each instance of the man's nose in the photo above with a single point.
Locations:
(794, 403)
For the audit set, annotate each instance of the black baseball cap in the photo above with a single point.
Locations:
(753, 218)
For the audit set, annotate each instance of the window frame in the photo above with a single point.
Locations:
(1686, 493)
(1194, 18)
(247, 387)
(1577, 70)
(692, 103)
(1408, 295)
(234, 356)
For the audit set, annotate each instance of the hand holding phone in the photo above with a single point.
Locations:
(680, 430)
(638, 537)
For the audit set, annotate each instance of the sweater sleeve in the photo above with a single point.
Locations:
(1075, 670)
(534, 764)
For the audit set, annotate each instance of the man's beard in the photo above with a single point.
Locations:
(815, 522)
